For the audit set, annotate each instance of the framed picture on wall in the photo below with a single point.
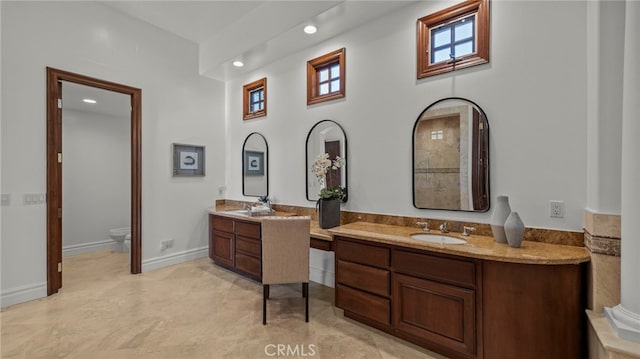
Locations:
(253, 163)
(188, 160)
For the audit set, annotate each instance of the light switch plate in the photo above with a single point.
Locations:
(6, 199)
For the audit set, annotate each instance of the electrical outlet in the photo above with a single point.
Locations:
(34, 198)
(556, 209)
(166, 244)
(221, 190)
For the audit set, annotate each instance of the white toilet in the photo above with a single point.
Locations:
(119, 235)
(127, 246)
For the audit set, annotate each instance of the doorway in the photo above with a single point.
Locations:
(54, 170)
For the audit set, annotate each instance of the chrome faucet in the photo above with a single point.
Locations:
(425, 224)
(444, 228)
(466, 230)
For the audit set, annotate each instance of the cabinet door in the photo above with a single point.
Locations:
(222, 248)
(436, 313)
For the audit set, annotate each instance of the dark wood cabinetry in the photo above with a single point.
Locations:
(236, 244)
(534, 311)
(363, 282)
(463, 307)
(434, 301)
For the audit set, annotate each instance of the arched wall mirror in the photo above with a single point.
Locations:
(328, 137)
(451, 157)
(255, 166)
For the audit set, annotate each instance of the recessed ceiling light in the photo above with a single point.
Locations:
(88, 100)
(310, 29)
(238, 63)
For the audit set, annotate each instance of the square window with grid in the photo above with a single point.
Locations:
(453, 40)
(254, 99)
(326, 77)
(329, 79)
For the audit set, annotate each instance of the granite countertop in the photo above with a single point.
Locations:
(226, 211)
(315, 232)
(480, 247)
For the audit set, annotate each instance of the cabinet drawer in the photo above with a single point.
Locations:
(249, 265)
(448, 270)
(373, 280)
(363, 304)
(248, 246)
(221, 223)
(248, 229)
(362, 253)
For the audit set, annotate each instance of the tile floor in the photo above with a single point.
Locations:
(190, 310)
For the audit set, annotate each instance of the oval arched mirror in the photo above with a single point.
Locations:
(326, 137)
(255, 166)
(451, 157)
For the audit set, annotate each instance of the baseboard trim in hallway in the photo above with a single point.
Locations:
(76, 249)
(23, 294)
(174, 258)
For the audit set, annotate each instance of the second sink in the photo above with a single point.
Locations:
(437, 238)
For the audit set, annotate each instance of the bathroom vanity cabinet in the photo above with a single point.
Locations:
(236, 244)
(363, 282)
(460, 306)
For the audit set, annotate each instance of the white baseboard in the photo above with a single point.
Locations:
(76, 249)
(23, 294)
(174, 258)
(322, 276)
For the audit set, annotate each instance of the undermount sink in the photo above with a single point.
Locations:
(255, 211)
(242, 212)
(437, 238)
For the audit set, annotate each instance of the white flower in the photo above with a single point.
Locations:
(323, 164)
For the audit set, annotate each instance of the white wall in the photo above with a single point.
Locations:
(533, 92)
(96, 173)
(605, 57)
(178, 105)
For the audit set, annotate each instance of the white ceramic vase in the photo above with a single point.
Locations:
(500, 214)
(514, 230)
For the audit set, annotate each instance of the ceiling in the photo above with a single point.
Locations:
(107, 102)
(256, 32)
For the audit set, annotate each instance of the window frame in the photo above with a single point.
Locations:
(314, 66)
(446, 16)
(247, 89)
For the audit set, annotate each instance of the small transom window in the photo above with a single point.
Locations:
(254, 99)
(256, 102)
(326, 77)
(453, 38)
(329, 79)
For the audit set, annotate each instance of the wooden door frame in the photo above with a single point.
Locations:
(54, 170)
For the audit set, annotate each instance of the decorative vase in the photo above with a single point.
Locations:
(329, 215)
(500, 214)
(514, 230)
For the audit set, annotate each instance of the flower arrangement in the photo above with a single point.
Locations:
(321, 166)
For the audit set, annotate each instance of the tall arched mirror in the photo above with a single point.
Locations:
(326, 137)
(451, 157)
(255, 166)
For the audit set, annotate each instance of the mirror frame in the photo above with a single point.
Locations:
(413, 156)
(266, 160)
(308, 165)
